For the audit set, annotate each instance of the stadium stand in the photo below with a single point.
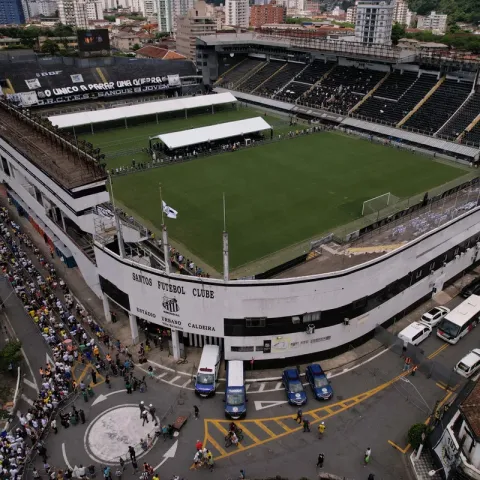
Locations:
(462, 119)
(314, 72)
(396, 97)
(254, 81)
(235, 75)
(441, 105)
(342, 89)
(279, 80)
(293, 91)
(473, 136)
(226, 63)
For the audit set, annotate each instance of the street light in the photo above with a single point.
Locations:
(431, 473)
(406, 380)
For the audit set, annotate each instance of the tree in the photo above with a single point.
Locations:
(11, 353)
(136, 47)
(50, 47)
(398, 32)
(415, 434)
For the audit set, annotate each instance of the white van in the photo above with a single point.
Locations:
(415, 333)
(207, 373)
(469, 364)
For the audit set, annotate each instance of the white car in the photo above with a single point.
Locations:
(433, 316)
(415, 333)
(469, 364)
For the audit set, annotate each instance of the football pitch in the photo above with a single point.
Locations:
(277, 195)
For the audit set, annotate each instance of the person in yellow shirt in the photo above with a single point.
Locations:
(321, 429)
(96, 351)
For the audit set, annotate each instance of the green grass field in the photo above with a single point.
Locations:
(119, 139)
(277, 194)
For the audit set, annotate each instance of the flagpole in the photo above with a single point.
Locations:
(166, 246)
(121, 246)
(225, 243)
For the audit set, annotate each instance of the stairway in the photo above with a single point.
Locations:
(270, 77)
(317, 82)
(469, 128)
(220, 79)
(249, 74)
(421, 102)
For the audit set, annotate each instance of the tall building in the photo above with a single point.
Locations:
(11, 12)
(180, 8)
(165, 16)
(200, 20)
(401, 13)
(237, 13)
(263, 14)
(351, 14)
(77, 13)
(436, 22)
(374, 20)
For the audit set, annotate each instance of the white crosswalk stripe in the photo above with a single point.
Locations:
(26, 399)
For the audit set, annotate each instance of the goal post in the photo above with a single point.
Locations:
(375, 204)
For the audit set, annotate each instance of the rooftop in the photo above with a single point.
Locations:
(471, 410)
(160, 53)
(67, 164)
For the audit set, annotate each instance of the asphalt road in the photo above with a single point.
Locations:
(372, 407)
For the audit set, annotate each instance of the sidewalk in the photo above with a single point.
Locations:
(161, 359)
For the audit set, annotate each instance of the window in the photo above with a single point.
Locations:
(312, 317)
(255, 322)
(242, 349)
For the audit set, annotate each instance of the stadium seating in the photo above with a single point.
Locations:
(280, 79)
(463, 118)
(439, 107)
(314, 72)
(235, 75)
(342, 89)
(292, 91)
(226, 62)
(473, 136)
(391, 109)
(255, 80)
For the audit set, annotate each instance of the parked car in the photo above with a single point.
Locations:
(293, 387)
(469, 364)
(473, 288)
(319, 383)
(415, 333)
(433, 316)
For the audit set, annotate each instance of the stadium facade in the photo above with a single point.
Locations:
(60, 186)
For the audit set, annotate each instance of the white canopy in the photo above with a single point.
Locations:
(195, 136)
(141, 109)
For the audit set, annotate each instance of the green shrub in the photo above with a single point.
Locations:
(415, 434)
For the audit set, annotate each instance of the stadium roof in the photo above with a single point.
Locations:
(450, 147)
(141, 109)
(195, 136)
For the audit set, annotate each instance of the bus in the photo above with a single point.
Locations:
(460, 320)
(235, 392)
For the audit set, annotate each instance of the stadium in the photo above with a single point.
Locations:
(227, 201)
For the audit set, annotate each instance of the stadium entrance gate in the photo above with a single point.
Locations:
(196, 340)
(429, 367)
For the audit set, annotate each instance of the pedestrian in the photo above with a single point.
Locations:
(128, 386)
(306, 425)
(94, 377)
(152, 411)
(242, 475)
(321, 429)
(414, 370)
(122, 464)
(35, 473)
(81, 413)
(144, 416)
(141, 406)
(320, 459)
(406, 365)
(53, 424)
(298, 419)
(118, 473)
(366, 458)
(133, 455)
(371, 477)
(404, 350)
(107, 381)
(135, 465)
(196, 411)
(199, 445)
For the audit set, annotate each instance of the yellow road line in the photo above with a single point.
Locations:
(248, 432)
(285, 427)
(438, 350)
(225, 432)
(403, 450)
(216, 445)
(265, 429)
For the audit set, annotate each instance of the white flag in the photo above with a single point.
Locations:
(169, 211)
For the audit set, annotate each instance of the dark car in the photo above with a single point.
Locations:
(321, 388)
(293, 387)
(473, 288)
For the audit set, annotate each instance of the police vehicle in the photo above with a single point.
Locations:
(293, 387)
(318, 381)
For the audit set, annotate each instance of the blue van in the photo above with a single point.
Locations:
(235, 393)
(207, 374)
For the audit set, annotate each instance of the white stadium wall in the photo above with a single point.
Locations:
(201, 306)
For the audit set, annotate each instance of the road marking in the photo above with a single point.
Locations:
(321, 413)
(261, 388)
(186, 383)
(170, 453)
(162, 375)
(403, 450)
(262, 404)
(29, 383)
(438, 350)
(247, 388)
(26, 399)
(173, 380)
(65, 459)
(102, 397)
(265, 429)
(278, 386)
